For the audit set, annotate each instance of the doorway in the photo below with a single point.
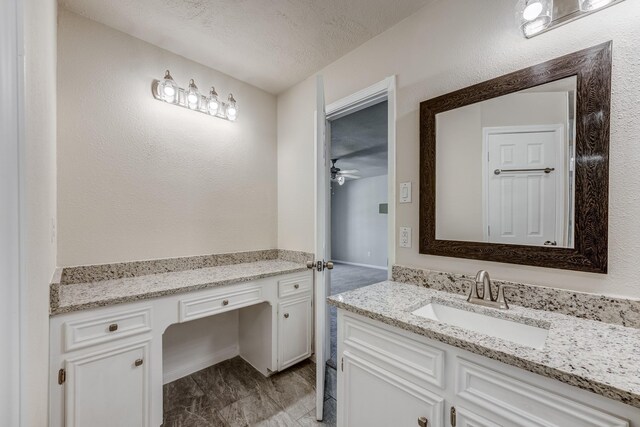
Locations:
(359, 204)
(327, 177)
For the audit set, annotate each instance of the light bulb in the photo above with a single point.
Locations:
(533, 16)
(589, 5)
(168, 89)
(193, 96)
(232, 108)
(213, 104)
(341, 180)
(532, 11)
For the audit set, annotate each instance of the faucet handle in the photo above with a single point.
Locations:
(501, 300)
(473, 289)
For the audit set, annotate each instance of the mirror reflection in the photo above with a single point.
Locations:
(505, 168)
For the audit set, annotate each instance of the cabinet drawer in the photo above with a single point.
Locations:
(196, 308)
(294, 286)
(96, 330)
(524, 404)
(395, 352)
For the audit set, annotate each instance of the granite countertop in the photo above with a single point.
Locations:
(595, 356)
(100, 293)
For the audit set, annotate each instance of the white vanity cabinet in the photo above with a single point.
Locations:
(106, 363)
(390, 377)
(108, 388)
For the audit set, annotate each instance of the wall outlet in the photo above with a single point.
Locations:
(405, 237)
(405, 192)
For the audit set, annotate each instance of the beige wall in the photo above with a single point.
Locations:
(142, 179)
(447, 46)
(38, 204)
(459, 161)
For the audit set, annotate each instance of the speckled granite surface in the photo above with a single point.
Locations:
(79, 296)
(595, 356)
(618, 311)
(92, 273)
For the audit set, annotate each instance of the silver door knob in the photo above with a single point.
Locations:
(311, 264)
(423, 422)
(328, 265)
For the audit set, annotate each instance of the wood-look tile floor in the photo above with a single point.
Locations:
(233, 393)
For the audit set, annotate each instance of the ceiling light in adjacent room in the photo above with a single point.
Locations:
(589, 5)
(533, 16)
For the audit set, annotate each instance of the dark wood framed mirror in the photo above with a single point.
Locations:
(516, 169)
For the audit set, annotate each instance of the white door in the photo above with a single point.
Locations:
(374, 397)
(322, 246)
(294, 335)
(109, 388)
(524, 200)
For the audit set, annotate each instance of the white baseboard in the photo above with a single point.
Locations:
(377, 267)
(196, 365)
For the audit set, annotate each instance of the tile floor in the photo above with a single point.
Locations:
(233, 393)
(345, 278)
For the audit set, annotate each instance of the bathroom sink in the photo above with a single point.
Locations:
(509, 330)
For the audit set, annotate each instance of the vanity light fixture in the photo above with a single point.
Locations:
(167, 90)
(232, 108)
(533, 16)
(590, 5)
(213, 103)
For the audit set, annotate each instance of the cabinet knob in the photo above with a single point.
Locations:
(296, 286)
(423, 422)
(225, 302)
(286, 315)
(113, 327)
(138, 362)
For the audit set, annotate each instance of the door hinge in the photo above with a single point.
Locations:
(453, 416)
(342, 364)
(62, 376)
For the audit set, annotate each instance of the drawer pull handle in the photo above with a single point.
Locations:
(286, 315)
(225, 302)
(296, 286)
(138, 362)
(423, 422)
(113, 327)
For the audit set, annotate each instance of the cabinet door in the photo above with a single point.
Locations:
(294, 331)
(466, 418)
(108, 388)
(372, 396)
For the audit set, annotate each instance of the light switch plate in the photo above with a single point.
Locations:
(405, 192)
(405, 237)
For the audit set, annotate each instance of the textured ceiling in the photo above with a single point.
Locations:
(359, 141)
(271, 44)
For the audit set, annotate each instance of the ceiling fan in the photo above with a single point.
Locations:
(339, 175)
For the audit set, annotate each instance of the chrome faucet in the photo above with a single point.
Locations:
(487, 299)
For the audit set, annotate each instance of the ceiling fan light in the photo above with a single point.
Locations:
(341, 180)
(589, 5)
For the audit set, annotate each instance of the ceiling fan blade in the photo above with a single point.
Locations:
(349, 171)
(351, 176)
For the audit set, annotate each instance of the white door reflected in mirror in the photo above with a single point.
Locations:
(504, 168)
